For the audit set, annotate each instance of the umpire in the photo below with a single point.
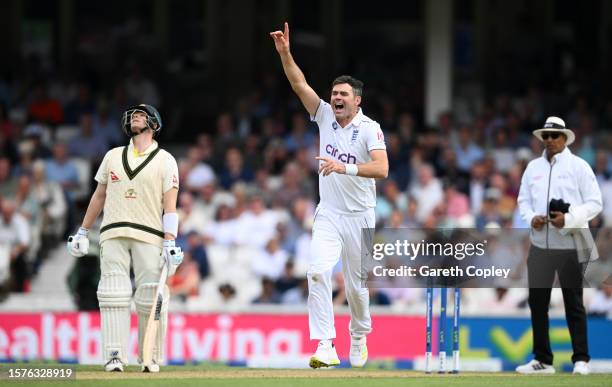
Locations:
(558, 196)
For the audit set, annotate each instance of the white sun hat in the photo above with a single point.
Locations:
(555, 124)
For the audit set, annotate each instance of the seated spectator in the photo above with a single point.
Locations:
(427, 192)
(227, 292)
(198, 173)
(601, 302)
(191, 214)
(268, 295)
(297, 295)
(87, 144)
(61, 170)
(457, 205)
(83, 104)
(185, 282)
(257, 225)
(223, 229)
(43, 108)
(270, 261)
(35, 143)
(301, 135)
(8, 182)
(14, 238)
(490, 209)
(195, 246)
(467, 151)
(107, 126)
(51, 199)
(378, 297)
(234, 169)
(287, 279)
(339, 292)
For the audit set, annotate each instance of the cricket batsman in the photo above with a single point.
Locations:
(352, 154)
(137, 188)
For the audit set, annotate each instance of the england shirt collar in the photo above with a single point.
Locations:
(356, 120)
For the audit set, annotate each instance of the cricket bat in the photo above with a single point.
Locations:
(154, 320)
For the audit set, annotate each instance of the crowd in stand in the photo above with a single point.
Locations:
(250, 179)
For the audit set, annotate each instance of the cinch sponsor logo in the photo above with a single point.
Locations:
(344, 157)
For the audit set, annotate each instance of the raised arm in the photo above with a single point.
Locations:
(296, 78)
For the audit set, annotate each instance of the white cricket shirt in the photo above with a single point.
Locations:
(349, 145)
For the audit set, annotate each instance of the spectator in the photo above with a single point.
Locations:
(466, 150)
(270, 261)
(185, 282)
(51, 199)
(301, 135)
(287, 279)
(195, 246)
(8, 183)
(234, 170)
(223, 229)
(457, 205)
(199, 173)
(427, 193)
(62, 171)
(192, 216)
(268, 295)
(297, 295)
(15, 237)
(83, 104)
(87, 144)
(601, 302)
(293, 186)
(257, 225)
(106, 126)
(43, 108)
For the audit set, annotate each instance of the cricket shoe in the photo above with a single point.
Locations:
(535, 367)
(113, 365)
(359, 352)
(325, 356)
(582, 368)
(153, 367)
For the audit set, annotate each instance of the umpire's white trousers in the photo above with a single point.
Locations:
(334, 236)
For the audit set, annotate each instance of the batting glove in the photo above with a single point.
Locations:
(172, 256)
(78, 244)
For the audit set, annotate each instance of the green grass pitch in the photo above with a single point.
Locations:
(210, 376)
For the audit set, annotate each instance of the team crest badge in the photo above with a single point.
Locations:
(335, 125)
(354, 135)
(130, 193)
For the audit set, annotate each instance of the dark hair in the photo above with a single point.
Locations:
(355, 83)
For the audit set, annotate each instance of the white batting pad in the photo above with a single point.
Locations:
(114, 296)
(144, 299)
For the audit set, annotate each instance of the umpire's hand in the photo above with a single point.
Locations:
(538, 222)
(557, 219)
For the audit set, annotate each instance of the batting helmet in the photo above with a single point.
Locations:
(154, 121)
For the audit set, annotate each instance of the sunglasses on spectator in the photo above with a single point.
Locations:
(553, 135)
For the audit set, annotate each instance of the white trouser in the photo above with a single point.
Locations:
(115, 292)
(335, 236)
